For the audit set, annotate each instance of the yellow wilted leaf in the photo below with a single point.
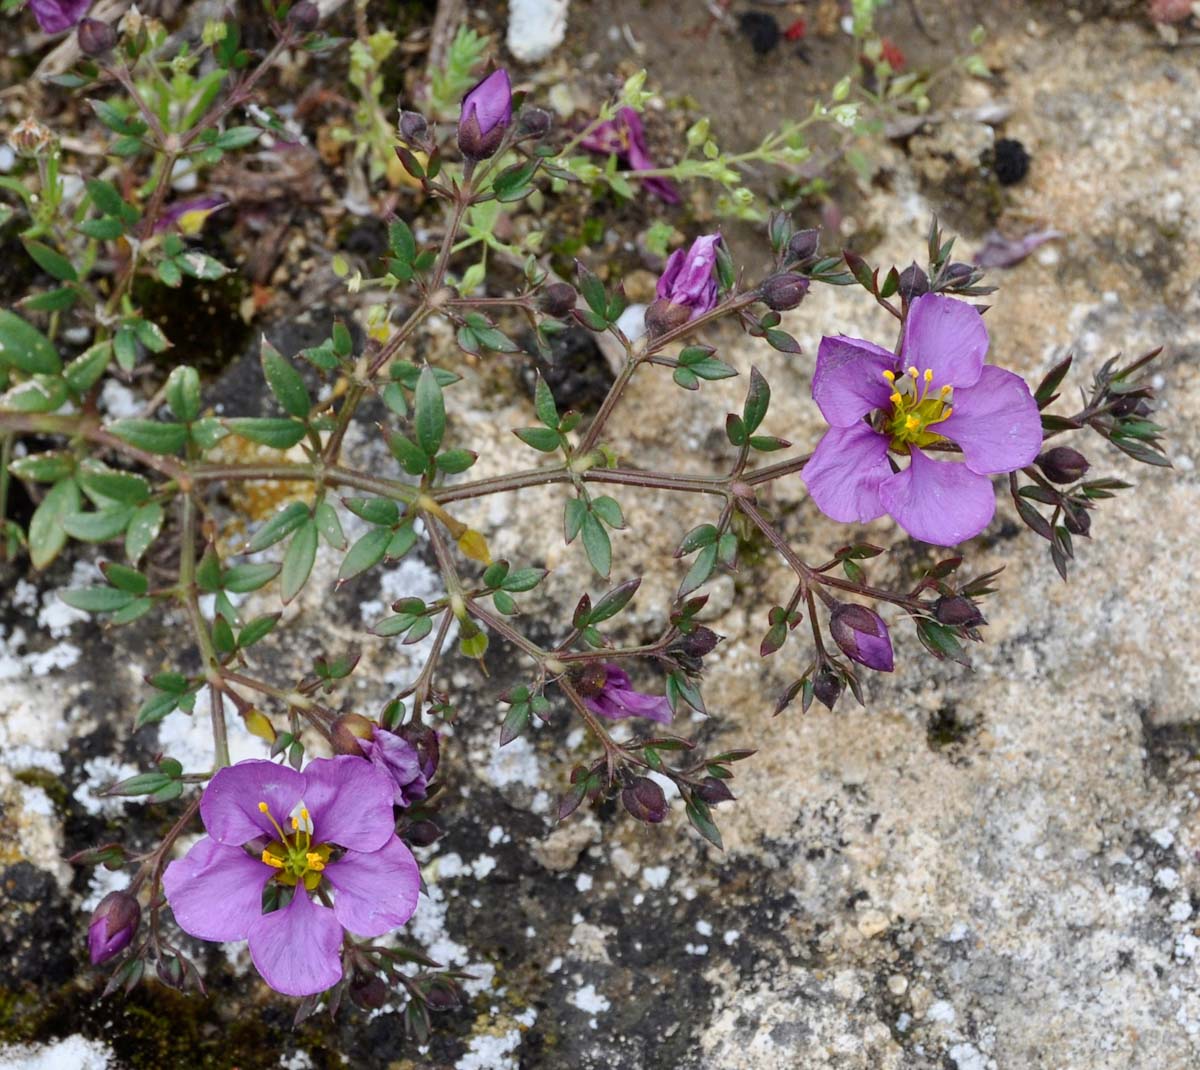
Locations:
(475, 546)
(257, 724)
(398, 176)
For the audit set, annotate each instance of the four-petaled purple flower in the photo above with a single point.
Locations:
(625, 137)
(486, 114)
(617, 699)
(54, 16)
(328, 828)
(936, 390)
(687, 287)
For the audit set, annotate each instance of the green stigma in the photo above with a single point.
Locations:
(915, 410)
(293, 855)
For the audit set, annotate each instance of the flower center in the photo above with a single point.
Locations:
(914, 410)
(293, 854)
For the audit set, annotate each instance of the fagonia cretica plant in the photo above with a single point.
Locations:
(306, 854)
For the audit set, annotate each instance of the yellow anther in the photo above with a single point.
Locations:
(264, 807)
(913, 371)
(271, 860)
(314, 861)
(304, 815)
(946, 412)
(295, 823)
(946, 390)
(912, 423)
(929, 375)
(890, 376)
(895, 399)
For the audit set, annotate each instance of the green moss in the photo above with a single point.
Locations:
(52, 785)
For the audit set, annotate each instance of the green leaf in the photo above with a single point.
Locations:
(329, 525)
(42, 393)
(374, 510)
(51, 261)
(143, 529)
(258, 628)
(280, 526)
(700, 817)
(24, 347)
(454, 461)
(241, 579)
(106, 229)
(702, 568)
(51, 300)
(608, 510)
(703, 535)
(183, 392)
(403, 540)
(597, 544)
(401, 241)
(516, 722)
(99, 526)
(614, 601)
(153, 710)
(523, 579)
(408, 453)
(758, 397)
(573, 515)
(543, 403)
(592, 290)
(85, 370)
(367, 551)
(47, 536)
(278, 434)
(430, 418)
(48, 467)
(540, 438)
(685, 378)
(298, 561)
(285, 382)
(200, 266)
(236, 137)
(125, 579)
(109, 485)
(96, 599)
(150, 435)
(105, 197)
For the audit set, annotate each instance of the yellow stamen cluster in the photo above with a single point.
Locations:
(294, 855)
(914, 409)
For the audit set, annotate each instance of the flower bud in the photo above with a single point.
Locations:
(958, 272)
(1077, 521)
(700, 642)
(422, 833)
(913, 282)
(663, 316)
(113, 926)
(645, 800)
(1063, 464)
(443, 996)
(957, 611)
(535, 122)
(557, 299)
(1131, 405)
(783, 291)
(827, 687)
(347, 732)
(30, 138)
(803, 245)
(304, 16)
(714, 790)
(95, 37)
(862, 636)
(424, 740)
(486, 114)
(413, 126)
(368, 991)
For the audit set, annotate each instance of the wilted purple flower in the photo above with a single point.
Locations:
(625, 138)
(330, 826)
(617, 699)
(399, 759)
(998, 251)
(486, 113)
(189, 216)
(54, 16)
(936, 390)
(862, 636)
(687, 287)
(112, 927)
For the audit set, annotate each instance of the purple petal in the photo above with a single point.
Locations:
(491, 101)
(848, 382)
(635, 704)
(54, 16)
(996, 423)
(398, 759)
(998, 251)
(298, 949)
(350, 802)
(688, 277)
(215, 890)
(845, 471)
(946, 336)
(605, 138)
(230, 810)
(941, 502)
(376, 891)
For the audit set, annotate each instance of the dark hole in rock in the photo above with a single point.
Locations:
(577, 373)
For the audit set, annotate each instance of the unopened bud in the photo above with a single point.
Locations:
(368, 991)
(803, 245)
(1131, 405)
(1077, 521)
(663, 316)
(413, 126)
(442, 997)
(535, 122)
(827, 687)
(783, 291)
(557, 299)
(347, 731)
(958, 272)
(862, 636)
(304, 16)
(957, 611)
(1063, 464)
(714, 790)
(422, 833)
(700, 642)
(913, 282)
(424, 740)
(645, 800)
(30, 138)
(113, 926)
(95, 37)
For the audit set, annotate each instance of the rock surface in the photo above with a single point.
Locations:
(982, 870)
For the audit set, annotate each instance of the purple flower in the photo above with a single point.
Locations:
(54, 16)
(862, 636)
(400, 760)
(687, 287)
(625, 138)
(486, 113)
(935, 391)
(617, 699)
(329, 827)
(113, 925)
(189, 216)
(998, 251)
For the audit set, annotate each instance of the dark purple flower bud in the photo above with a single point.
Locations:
(662, 316)
(714, 790)
(425, 741)
(486, 114)
(688, 281)
(304, 16)
(348, 732)
(113, 926)
(803, 245)
(645, 800)
(1063, 464)
(368, 991)
(443, 996)
(557, 299)
(827, 687)
(1131, 405)
(413, 126)
(535, 122)
(400, 760)
(95, 37)
(913, 282)
(54, 16)
(700, 642)
(783, 291)
(958, 272)
(422, 833)
(862, 636)
(956, 611)
(1077, 521)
